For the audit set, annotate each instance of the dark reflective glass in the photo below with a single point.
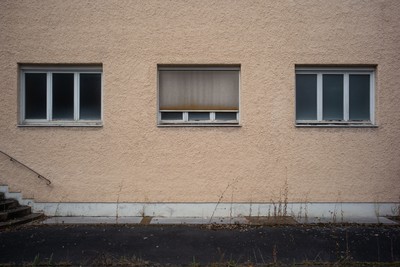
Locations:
(171, 116)
(90, 96)
(359, 97)
(225, 116)
(63, 96)
(306, 96)
(332, 96)
(199, 116)
(35, 96)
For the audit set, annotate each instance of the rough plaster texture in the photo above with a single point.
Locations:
(130, 159)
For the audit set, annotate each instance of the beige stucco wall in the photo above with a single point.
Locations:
(131, 159)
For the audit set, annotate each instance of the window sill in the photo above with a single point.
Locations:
(199, 125)
(336, 125)
(61, 124)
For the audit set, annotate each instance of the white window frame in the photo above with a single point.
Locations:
(185, 113)
(49, 70)
(345, 72)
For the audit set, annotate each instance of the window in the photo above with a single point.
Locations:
(332, 96)
(198, 95)
(61, 96)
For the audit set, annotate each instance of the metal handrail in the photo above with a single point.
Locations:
(48, 182)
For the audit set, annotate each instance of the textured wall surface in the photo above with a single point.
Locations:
(131, 159)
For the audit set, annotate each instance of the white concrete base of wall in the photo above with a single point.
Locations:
(303, 212)
(198, 220)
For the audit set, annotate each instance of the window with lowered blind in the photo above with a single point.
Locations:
(198, 95)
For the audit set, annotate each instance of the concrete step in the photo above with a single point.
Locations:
(7, 204)
(25, 219)
(15, 213)
(11, 212)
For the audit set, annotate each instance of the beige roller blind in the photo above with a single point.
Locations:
(199, 89)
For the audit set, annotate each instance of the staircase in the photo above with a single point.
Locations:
(12, 213)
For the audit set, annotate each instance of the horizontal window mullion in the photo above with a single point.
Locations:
(52, 68)
(334, 69)
(337, 73)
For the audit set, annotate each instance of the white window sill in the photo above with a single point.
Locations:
(61, 124)
(336, 125)
(199, 125)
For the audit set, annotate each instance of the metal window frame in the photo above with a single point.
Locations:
(212, 121)
(49, 70)
(346, 72)
(185, 117)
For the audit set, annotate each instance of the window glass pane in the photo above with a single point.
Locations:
(171, 116)
(199, 89)
(306, 96)
(359, 92)
(199, 116)
(63, 96)
(332, 96)
(35, 96)
(90, 96)
(225, 116)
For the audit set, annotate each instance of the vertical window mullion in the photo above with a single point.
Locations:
(102, 98)
(185, 116)
(212, 116)
(372, 97)
(23, 96)
(346, 97)
(319, 97)
(49, 89)
(76, 96)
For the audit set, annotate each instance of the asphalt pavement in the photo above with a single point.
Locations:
(95, 245)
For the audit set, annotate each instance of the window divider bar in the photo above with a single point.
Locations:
(346, 97)
(185, 116)
(22, 97)
(372, 97)
(212, 116)
(49, 95)
(319, 97)
(76, 96)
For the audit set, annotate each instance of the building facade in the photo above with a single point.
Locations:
(194, 108)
